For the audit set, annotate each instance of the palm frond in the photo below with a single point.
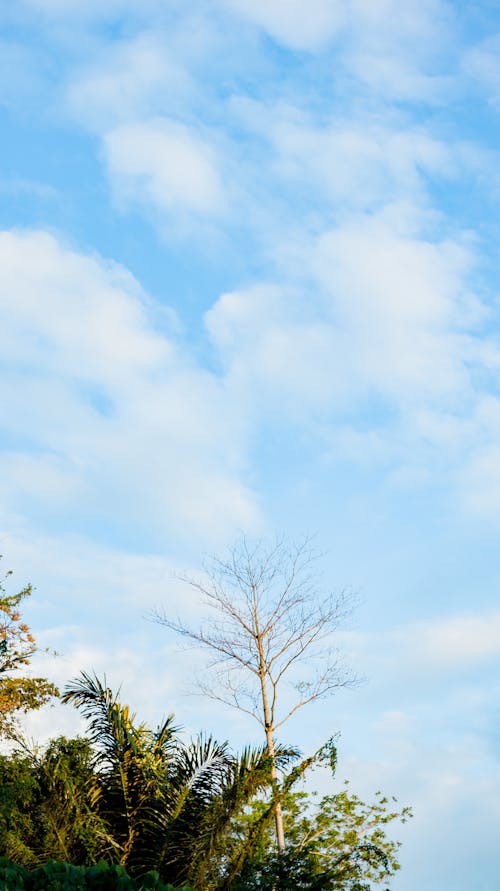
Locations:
(100, 707)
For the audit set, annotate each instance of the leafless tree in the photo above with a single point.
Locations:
(271, 636)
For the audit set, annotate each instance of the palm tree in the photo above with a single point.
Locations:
(164, 804)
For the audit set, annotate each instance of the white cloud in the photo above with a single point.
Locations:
(132, 80)
(21, 73)
(479, 480)
(482, 64)
(355, 164)
(444, 648)
(64, 10)
(136, 96)
(399, 299)
(386, 319)
(277, 350)
(397, 49)
(300, 25)
(461, 640)
(105, 406)
(393, 48)
(73, 313)
(43, 477)
(413, 20)
(397, 77)
(311, 25)
(167, 164)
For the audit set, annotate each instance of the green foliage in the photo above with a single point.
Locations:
(17, 646)
(44, 804)
(162, 803)
(333, 842)
(60, 876)
(144, 801)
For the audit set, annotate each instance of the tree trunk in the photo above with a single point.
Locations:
(268, 723)
(278, 815)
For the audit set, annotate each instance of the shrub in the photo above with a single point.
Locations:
(59, 876)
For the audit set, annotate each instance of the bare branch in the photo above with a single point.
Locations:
(269, 616)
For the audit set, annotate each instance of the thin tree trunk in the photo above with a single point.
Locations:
(278, 815)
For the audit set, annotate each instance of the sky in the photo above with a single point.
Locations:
(249, 284)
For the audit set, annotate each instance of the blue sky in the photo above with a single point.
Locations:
(249, 283)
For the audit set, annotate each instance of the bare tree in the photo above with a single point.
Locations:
(271, 636)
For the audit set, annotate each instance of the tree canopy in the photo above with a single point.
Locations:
(143, 807)
(191, 811)
(18, 692)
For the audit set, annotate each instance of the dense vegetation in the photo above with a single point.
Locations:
(57, 876)
(191, 811)
(130, 807)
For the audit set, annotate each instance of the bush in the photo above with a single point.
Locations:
(59, 876)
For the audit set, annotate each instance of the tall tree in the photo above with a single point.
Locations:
(18, 693)
(271, 636)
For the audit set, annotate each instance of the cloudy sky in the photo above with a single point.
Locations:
(249, 282)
